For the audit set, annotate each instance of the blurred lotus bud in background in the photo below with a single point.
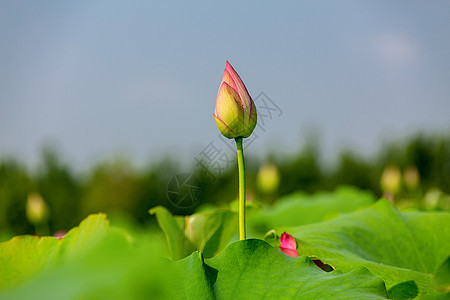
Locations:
(268, 178)
(411, 177)
(444, 203)
(390, 181)
(431, 199)
(36, 209)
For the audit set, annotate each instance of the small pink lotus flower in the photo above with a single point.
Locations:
(288, 245)
(235, 112)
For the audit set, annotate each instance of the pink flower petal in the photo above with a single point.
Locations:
(60, 234)
(239, 86)
(288, 245)
(229, 80)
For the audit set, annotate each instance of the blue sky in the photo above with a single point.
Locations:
(140, 78)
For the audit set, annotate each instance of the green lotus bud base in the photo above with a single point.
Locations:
(241, 169)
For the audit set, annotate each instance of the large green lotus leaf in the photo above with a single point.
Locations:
(179, 245)
(114, 268)
(191, 279)
(442, 277)
(252, 269)
(395, 246)
(82, 238)
(299, 208)
(209, 231)
(23, 257)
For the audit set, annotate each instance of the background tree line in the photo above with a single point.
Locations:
(408, 171)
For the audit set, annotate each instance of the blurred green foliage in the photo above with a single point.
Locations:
(117, 186)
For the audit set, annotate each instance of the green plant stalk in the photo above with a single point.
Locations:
(241, 169)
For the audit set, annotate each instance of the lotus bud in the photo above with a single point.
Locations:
(391, 179)
(268, 178)
(36, 209)
(431, 198)
(411, 177)
(235, 112)
(288, 245)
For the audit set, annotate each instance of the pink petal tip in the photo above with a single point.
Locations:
(288, 245)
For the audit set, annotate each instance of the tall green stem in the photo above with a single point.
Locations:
(241, 169)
